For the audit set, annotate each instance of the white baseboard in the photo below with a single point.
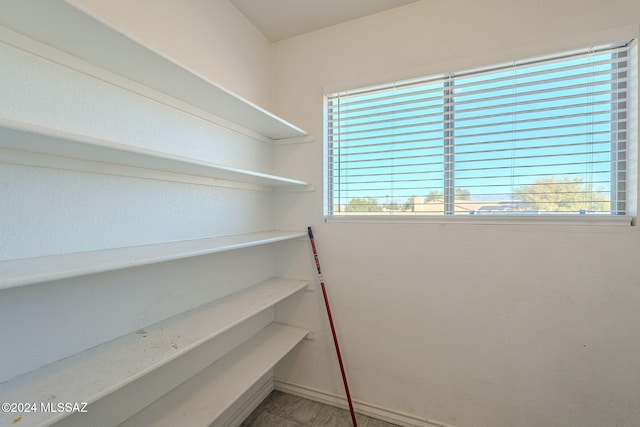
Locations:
(364, 408)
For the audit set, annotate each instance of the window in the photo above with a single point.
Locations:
(544, 136)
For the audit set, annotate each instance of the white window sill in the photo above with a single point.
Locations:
(564, 220)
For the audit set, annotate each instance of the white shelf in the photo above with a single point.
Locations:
(95, 373)
(37, 139)
(203, 398)
(21, 272)
(66, 28)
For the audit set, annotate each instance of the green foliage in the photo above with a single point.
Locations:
(361, 204)
(562, 195)
(392, 206)
(409, 204)
(462, 194)
(434, 195)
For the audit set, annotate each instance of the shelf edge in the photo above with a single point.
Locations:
(123, 258)
(30, 138)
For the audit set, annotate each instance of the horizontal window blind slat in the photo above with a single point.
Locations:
(385, 139)
(616, 108)
(376, 167)
(343, 114)
(539, 129)
(550, 100)
(522, 167)
(532, 121)
(516, 89)
(420, 88)
(399, 118)
(539, 138)
(397, 137)
(549, 92)
(589, 69)
(603, 146)
(508, 187)
(389, 93)
(428, 142)
(514, 118)
(369, 155)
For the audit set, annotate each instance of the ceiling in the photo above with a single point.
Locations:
(281, 19)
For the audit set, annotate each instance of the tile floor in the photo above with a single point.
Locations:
(285, 410)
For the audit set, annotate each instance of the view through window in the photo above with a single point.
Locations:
(538, 137)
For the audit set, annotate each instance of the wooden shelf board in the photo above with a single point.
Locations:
(99, 371)
(202, 399)
(65, 27)
(37, 139)
(21, 272)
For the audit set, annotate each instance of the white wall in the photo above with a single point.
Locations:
(466, 324)
(58, 209)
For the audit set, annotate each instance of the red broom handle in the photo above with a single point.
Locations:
(333, 329)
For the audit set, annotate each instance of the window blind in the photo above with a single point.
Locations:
(541, 136)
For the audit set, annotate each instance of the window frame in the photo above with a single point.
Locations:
(448, 215)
